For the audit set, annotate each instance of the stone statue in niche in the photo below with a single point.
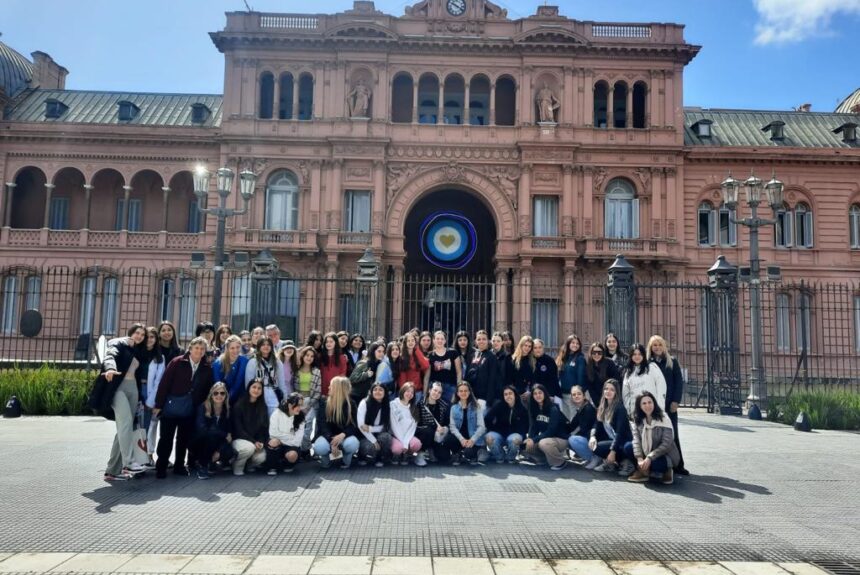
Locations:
(358, 100)
(547, 104)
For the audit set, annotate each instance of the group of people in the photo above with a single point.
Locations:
(252, 401)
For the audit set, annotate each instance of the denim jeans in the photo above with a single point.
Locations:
(579, 445)
(512, 442)
(323, 448)
(658, 465)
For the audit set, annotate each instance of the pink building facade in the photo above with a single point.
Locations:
(560, 143)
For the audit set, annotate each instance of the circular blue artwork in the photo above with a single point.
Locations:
(448, 240)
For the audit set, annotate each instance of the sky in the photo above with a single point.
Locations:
(756, 54)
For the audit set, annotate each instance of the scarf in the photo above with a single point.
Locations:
(647, 432)
(266, 372)
(373, 409)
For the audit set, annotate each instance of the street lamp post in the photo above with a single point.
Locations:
(774, 192)
(224, 181)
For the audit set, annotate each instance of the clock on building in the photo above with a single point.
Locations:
(456, 7)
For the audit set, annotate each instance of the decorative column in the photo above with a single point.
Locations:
(467, 120)
(628, 122)
(610, 107)
(7, 204)
(276, 98)
(330, 303)
(378, 216)
(296, 96)
(588, 211)
(501, 311)
(567, 209)
(335, 194)
(165, 197)
(493, 104)
(526, 104)
(88, 197)
(315, 187)
(126, 195)
(415, 102)
(524, 310)
(440, 118)
(588, 101)
(49, 192)
(568, 112)
(524, 201)
(397, 300)
(569, 302)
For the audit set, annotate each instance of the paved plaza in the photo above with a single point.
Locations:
(760, 492)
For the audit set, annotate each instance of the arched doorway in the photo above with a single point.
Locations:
(450, 243)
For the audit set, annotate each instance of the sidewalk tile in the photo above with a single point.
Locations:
(461, 566)
(156, 563)
(753, 568)
(402, 566)
(281, 565)
(584, 567)
(342, 565)
(639, 568)
(218, 564)
(802, 569)
(522, 567)
(697, 568)
(94, 563)
(33, 562)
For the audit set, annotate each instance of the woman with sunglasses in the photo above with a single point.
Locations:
(598, 370)
(286, 433)
(212, 438)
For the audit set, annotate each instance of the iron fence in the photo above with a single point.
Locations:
(811, 331)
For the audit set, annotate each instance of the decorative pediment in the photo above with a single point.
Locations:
(550, 35)
(362, 30)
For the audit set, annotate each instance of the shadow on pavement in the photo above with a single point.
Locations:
(710, 488)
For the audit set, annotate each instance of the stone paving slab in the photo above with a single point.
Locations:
(103, 564)
(759, 493)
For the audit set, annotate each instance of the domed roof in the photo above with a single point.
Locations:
(848, 103)
(15, 70)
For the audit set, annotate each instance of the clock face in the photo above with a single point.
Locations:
(456, 7)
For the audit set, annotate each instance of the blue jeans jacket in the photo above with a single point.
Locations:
(475, 418)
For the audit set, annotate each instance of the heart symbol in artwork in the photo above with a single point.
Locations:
(447, 240)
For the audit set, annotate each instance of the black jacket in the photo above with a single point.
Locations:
(484, 376)
(583, 422)
(433, 414)
(506, 368)
(523, 376)
(251, 420)
(548, 423)
(329, 429)
(211, 426)
(674, 380)
(120, 353)
(596, 377)
(505, 420)
(546, 373)
(620, 423)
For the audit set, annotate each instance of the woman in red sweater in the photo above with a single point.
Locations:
(333, 361)
(414, 366)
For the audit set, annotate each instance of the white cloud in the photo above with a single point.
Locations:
(785, 21)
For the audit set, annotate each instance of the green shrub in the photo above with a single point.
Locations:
(826, 409)
(47, 390)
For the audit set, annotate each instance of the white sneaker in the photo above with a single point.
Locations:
(136, 468)
(272, 472)
(419, 460)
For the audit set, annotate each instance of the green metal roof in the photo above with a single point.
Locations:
(849, 102)
(744, 128)
(15, 70)
(88, 107)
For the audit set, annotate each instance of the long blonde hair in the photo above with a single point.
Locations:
(517, 356)
(606, 410)
(225, 357)
(338, 395)
(209, 404)
(658, 339)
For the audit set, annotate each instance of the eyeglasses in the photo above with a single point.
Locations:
(219, 393)
(596, 352)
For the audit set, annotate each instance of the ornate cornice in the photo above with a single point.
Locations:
(431, 152)
(101, 157)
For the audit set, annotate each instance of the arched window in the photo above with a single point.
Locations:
(401, 98)
(428, 99)
(803, 226)
(267, 96)
(854, 226)
(282, 201)
(506, 101)
(306, 97)
(99, 293)
(715, 226)
(619, 105)
(285, 97)
(187, 308)
(455, 94)
(601, 98)
(707, 230)
(110, 306)
(782, 233)
(621, 210)
(640, 104)
(9, 323)
(479, 101)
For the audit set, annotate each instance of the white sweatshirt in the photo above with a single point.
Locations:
(403, 425)
(154, 373)
(634, 385)
(377, 426)
(281, 428)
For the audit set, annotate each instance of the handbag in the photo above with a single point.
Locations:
(178, 406)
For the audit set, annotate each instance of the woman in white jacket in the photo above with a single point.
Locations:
(266, 367)
(286, 431)
(155, 370)
(639, 377)
(404, 423)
